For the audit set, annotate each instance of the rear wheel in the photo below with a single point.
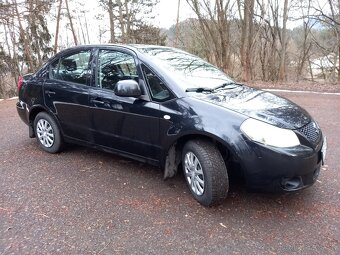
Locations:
(47, 133)
(205, 172)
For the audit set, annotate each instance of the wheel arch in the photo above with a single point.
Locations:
(172, 158)
(33, 113)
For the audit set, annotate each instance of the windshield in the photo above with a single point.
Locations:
(190, 71)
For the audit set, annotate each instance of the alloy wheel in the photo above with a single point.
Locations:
(45, 133)
(194, 173)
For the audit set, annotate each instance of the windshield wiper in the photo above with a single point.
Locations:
(224, 85)
(199, 90)
(229, 84)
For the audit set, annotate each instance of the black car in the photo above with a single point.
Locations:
(166, 107)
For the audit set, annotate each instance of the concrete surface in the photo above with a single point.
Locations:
(83, 201)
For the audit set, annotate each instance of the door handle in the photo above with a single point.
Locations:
(97, 102)
(49, 92)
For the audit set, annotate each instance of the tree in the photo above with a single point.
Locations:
(303, 41)
(282, 69)
(109, 6)
(56, 36)
(330, 19)
(147, 34)
(246, 38)
(214, 25)
(71, 23)
(37, 32)
(128, 16)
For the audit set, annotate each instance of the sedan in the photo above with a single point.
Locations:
(171, 109)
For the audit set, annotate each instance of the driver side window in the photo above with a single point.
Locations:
(72, 68)
(159, 92)
(114, 66)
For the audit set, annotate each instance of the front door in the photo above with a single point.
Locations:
(125, 124)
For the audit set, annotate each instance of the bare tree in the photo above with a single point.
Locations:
(112, 23)
(27, 49)
(214, 25)
(126, 17)
(56, 36)
(246, 38)
(282, 69)
(71, 23)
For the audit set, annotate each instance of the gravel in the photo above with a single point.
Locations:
(84, 201)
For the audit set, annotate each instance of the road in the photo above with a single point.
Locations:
(83, 201)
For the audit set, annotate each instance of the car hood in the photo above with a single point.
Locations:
(258, 104)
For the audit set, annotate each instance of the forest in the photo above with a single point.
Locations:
(251, 40)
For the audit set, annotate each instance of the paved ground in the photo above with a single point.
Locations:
(88, 202)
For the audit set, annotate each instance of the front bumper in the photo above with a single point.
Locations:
(277, 169)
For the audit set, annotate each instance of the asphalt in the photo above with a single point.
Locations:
(83, 201)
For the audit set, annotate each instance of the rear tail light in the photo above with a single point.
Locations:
(20, 82)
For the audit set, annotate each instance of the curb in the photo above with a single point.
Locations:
(12, 98)
(302, 92)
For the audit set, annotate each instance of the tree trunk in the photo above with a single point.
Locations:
(121, 20)
(33, 31)
(82, 29)
(14, 65)
(87, 31)
(223, 28)
(246, 36)
(251, 39)
(177, 24)
(128, 23)
(112, 24)
(57, 28)
(27, 49)
(71, 23)
(282, 68)
(310, 70)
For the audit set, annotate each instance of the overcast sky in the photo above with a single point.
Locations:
(166, 12)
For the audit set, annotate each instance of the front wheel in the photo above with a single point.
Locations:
(205, 172)
(47, 133)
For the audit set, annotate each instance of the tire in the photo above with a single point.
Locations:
(205, 172)
(47, 133)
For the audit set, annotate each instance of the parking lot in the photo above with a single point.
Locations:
(83, 201)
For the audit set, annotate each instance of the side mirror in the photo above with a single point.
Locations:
(127, 88)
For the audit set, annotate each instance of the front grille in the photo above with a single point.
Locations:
(311, 131)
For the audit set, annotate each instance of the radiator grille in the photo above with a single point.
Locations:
(311, 131)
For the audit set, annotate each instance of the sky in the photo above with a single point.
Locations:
(166, 12)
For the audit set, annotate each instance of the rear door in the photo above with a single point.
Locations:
(66, 93)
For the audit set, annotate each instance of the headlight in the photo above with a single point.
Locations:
(268, 134)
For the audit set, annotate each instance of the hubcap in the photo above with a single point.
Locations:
(45, 133)
(194, 173)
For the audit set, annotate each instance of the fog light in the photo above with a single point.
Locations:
(291, 183)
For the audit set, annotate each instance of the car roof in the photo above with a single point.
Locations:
(133, 47)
